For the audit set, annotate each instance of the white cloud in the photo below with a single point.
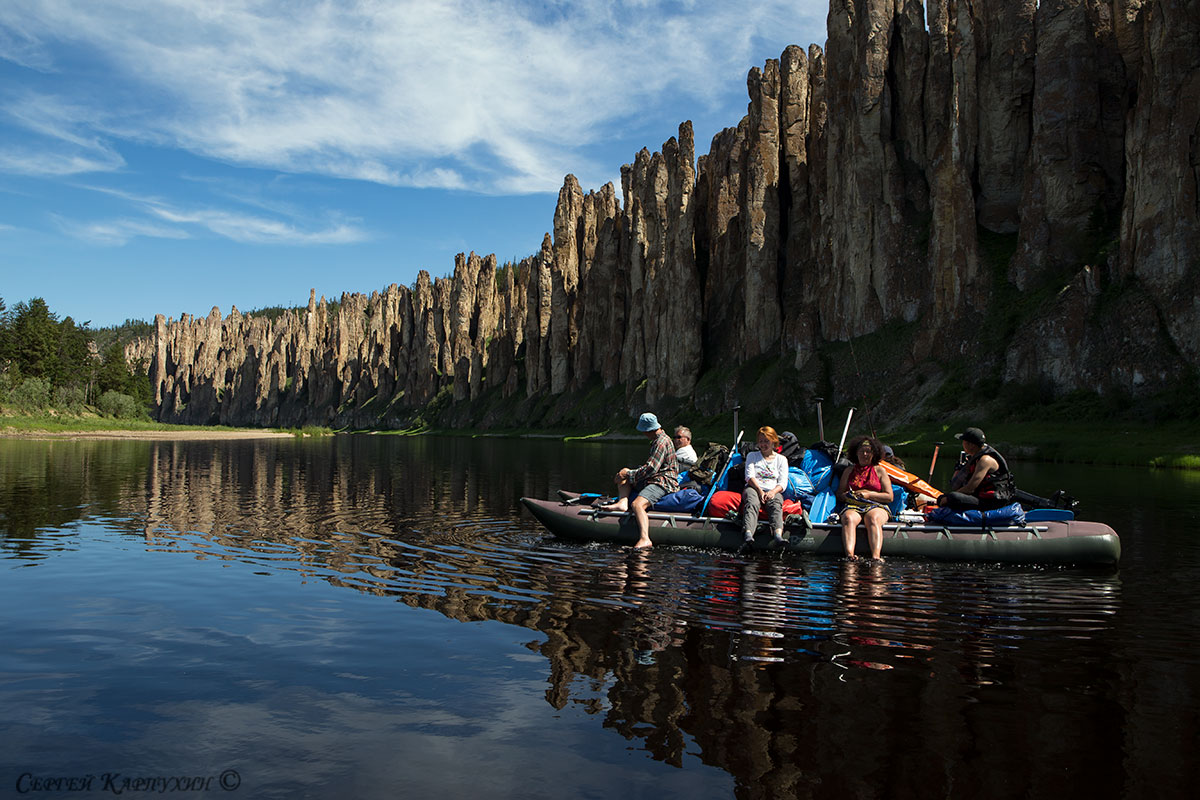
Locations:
(58, 139)
(488, 95)
(17, 44)
(185, 223)
(117, 232)
(47, 162)
(260, 230)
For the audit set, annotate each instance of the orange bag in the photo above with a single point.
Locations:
(723, 502)
(908, 480)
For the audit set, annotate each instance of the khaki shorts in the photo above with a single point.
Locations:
(653, 492)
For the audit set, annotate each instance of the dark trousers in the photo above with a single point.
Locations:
(961, 501)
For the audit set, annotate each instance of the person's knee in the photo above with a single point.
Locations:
(641, 503)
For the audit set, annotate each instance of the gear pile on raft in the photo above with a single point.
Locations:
(827, 497)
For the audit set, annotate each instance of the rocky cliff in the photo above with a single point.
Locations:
(1005, 190)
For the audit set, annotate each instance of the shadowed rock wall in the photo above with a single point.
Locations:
(1017, 179)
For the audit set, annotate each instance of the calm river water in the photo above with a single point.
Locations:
(372, 616)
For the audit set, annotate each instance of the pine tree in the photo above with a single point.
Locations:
(33, 339)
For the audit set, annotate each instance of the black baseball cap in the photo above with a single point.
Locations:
(972, 435)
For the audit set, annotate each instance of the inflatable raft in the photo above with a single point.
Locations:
(1043, 539)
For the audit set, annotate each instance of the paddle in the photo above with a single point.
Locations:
(825, 500)
(936, 447)
(845, 430)
(728, 460)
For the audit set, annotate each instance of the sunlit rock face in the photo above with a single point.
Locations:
(947, 167)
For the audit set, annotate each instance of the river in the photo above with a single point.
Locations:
(376, 616)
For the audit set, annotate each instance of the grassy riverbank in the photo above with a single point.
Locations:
(1125, 443)
(32, 425)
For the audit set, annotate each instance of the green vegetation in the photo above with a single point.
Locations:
(118, 406)
(584, 437)
(50, 364)
(1171, 445)
(274, 313)
(1176, 462)
(54, 422)
(88, 422)
(308, 431)
(124, 333)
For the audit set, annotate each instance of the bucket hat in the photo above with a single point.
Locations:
(648, 422)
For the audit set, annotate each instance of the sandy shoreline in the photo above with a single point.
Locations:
(13, 433)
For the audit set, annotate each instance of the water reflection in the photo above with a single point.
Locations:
(797, 676)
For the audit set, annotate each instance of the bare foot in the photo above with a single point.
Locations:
(851, 557)
(643, 544)
(618, 506)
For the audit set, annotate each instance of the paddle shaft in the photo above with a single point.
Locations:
(936, 447)
(845, 431)
(713, 489)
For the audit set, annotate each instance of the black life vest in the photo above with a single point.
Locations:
(999, 485)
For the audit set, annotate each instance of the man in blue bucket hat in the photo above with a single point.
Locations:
(650, 482)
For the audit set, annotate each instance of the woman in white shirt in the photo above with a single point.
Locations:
(766, 479)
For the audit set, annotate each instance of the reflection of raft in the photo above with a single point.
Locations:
(1049, 542)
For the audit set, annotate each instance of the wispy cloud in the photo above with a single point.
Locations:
(117, 232)
(186, 223)
(58, 138)
(18, 45)
(260, 230)
(487, 95)
(49, 162)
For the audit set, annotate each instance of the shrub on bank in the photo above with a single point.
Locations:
(119, 406)
(32, 394)
(71, 399)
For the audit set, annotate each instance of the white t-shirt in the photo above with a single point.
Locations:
(770, 472)
(686, 457)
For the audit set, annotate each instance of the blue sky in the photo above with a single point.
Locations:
(168, 156)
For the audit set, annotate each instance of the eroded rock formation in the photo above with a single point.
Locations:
(1016, 182)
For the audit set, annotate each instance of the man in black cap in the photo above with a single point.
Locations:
(983, 480)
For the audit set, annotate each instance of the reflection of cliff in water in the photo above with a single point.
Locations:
(797, 676)
(338, 483)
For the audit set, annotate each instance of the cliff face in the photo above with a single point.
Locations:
(1017, 182)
